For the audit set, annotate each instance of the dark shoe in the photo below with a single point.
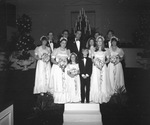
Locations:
(82, 101)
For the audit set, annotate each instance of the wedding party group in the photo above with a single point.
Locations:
(79, 71)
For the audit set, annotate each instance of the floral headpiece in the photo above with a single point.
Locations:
(73, 53)
(42, 37)
(100, 37)
(63, 38)
(114, 37)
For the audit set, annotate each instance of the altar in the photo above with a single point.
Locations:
(82, 114)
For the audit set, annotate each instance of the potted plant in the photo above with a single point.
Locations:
(44, 110)
(116, 107)
(120, 97)
(24, 60)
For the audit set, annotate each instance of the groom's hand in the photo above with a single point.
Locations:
(84, 76)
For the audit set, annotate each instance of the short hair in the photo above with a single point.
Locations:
(110, 31)
(78, 30)
(115, 39)
(65, 31)
(97, 32)
(50, 32)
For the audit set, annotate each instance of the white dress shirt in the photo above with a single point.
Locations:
(109, 44)
(84, 59)
(78, 44)
(51, 44)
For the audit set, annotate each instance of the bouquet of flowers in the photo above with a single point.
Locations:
(114, 59)
(98, 63)
(62, 64)
(73, 71)
(45, 57)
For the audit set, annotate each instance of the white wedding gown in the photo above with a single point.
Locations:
(100, 89)
(58, 85)
(43, 69)
(116, 71)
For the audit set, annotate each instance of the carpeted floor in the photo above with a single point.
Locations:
(18, 86)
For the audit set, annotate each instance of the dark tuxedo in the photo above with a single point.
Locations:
(85, 83)
(74, 48)
(106, 43)
(53, 44)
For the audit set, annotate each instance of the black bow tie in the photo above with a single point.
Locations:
(77, 40)
(84, 57)
(50, 41)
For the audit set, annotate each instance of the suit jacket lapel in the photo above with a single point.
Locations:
(75, 46)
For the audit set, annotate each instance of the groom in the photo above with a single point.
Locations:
(76, 44)
(85, 65)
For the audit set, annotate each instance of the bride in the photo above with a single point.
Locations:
(57, 85)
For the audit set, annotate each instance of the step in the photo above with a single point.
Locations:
(82, 107)
(82, 116)
(82, 123)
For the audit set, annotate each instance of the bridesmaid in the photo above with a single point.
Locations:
(90, 45)
(43, 67)
(115, 67)
(100, 90)
(73, 79)
(58, 86)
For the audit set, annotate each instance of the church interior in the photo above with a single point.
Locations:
(129, 19)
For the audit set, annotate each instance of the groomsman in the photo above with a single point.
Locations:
(76, 44)
(51, 42)
(107, 41)
(65, 34)
(85, 65)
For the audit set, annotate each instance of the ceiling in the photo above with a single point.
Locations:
(130, 3)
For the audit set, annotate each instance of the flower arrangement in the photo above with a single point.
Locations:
(25, 55)
(62, 64)
(45, 57)
(73, 71)
(114, 59)
(98, 63)
(24, 60)
(44, 110)
(119, 97)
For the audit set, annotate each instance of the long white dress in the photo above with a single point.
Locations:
(116, 71)
(58, 86)
(100, 89)
(43, 69)
(74, 91)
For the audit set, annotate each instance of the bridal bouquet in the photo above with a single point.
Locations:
(73, 71)
(114, 59)
(98, 63)
(62, 64)
(45, 57)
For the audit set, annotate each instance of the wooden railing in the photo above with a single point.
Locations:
(7, 116)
